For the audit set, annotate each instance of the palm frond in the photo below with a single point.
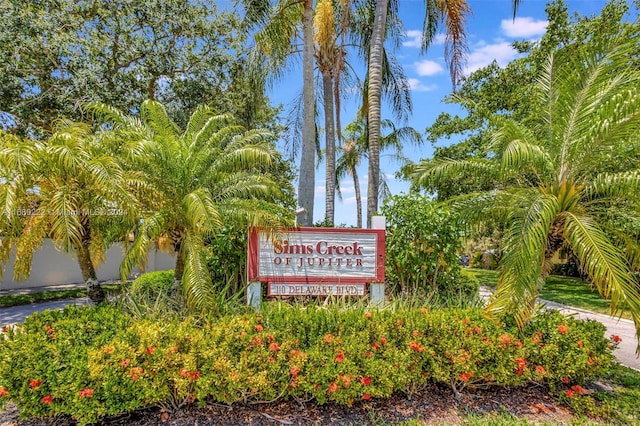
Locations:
(147, 232)
(196, 281)
(521, 267)
(439, 170)
(201, 211)
(32, 237)
(607, 185)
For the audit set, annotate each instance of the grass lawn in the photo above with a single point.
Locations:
(567, 290)
(46, 296)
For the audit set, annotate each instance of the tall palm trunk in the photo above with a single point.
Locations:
(330, 141)
(374, 101)
(306, 180)
(356, 185)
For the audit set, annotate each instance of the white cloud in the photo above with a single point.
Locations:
(418, 86)
(523, 27)
(428, 67)
(414, 39)
(484, 54)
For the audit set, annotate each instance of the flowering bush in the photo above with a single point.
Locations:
(94, 362)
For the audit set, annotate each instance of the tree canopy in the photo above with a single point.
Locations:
(57, 56)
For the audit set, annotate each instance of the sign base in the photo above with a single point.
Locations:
(324, 289)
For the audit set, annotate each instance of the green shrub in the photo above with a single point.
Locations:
(44, 362)
(423, 248)
(152, 284)
(97, 362)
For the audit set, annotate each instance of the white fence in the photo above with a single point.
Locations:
(53, 267)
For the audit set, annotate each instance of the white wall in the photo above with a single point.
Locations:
(52, 267)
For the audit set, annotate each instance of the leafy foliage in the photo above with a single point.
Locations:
(423, 248)
(57, 56)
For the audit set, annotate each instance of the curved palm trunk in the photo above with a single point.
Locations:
(330, 141)
(94, 289)
(306, 180)
(374, 101)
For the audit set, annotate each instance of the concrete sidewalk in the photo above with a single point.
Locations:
(623, 328)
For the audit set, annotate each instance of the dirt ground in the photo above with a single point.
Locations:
(434, 405)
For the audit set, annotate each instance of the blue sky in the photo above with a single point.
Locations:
(490, 31)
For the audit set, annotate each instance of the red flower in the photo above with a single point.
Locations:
(333, 387)
(383, 340)
(505, 339)
(368, 315)
(33, 383)
(580, 344)
(328, 338)
(562, 329)
(521, 362)
(340, 356)
(274, 347)
(465, 377)
(569, 393)
(366, 381)
(590, 361)
(3, 392)
(150, 349)
(565, 379)
(258, 328)
(125, 362)
(368, 354)
(135, 373)
(375, 346)
(184, 372)
(86, 393)
(416, 346)
(294, 371)
(5, 329)
(615, 338)
(271, 359)
(577, 388)
(424, 310)
(477, 330)
(537, 337)
(256, 341)
(540, 370)
(195, 375)
(47, 399)
(366, 396)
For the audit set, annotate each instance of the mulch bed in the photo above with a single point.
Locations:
(433, 405)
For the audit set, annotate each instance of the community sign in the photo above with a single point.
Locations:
(316, 261)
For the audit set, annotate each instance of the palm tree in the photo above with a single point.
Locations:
(199, 179)
(572, 181)
(275, 45)
(69, 188)
(356, 149)
(453, 13)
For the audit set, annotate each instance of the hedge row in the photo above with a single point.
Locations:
(93, 362)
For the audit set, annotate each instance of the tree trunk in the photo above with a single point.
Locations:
(306, 180)
(374, 101)
(356, 184)
(179, 269)
(94, 289)
(330, 142)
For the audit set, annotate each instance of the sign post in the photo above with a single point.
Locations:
(316, 262)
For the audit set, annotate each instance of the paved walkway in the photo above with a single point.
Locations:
(623, 328)
(625, 353)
